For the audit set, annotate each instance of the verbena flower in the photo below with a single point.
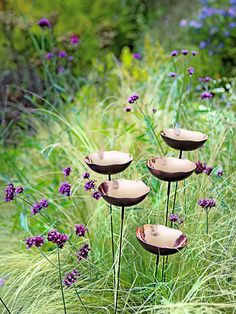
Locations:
(96, 195)
(61, 69)
(86, 175)
(83, 252)
(44, 203)
(205, 79)
(58, 238)
(35, 209)
(2, 282)
(71, 278)
(9, 193)
(128, 108)
(184, 52)
(34, 241)
(191, 70)
(65, 189)
(67, 171)
(62, 54)
(200, 167)
(137, 56)
(44, 23)
(175, 218)
(207, 203)
(183, 23)
(74, 40)
(174, 53)
(70, 58)
(172, 74)
(154, 110)
(206, 95)
(208, 170)
(19, 190)
(89, 185)
(133, 98)
(80, 230)
(194, 53)
(220, 172)
(49, 55)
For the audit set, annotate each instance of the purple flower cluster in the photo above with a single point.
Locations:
(34, 241)
(38, 206)
(11, 192)
(184, 52)
(220, 172)
(172, 74)
(89, 185)
(96, 195)
(203, 168)
(80, 230)
(74, 40)
(65, 189)
(67, 171)
(58, 238)
(128, 108)
(133, 98)
(62, 54)
(44, 23)
(207, 203)
(71, 278)
(137, 56)
(206, 95)
(174, 53)
(83, 252)
(86, 175)
(205, 79)
(175, 218)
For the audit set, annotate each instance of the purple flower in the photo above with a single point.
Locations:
(49, 55)
(71, 278)
(220, 172)
(44, 203)
(208, 170)
(96, 195)
(9, 193)
(74, 40)
(62, 54)
(80, 230)
(36, 208)
(203, 44)
(191, 70)
(34, 241)
(19, 190)
(44, 23)
(195, 24)
(183, 23)
(89, 185)
(137, 56)
(67, 171)
(154, 110)
(133, 98)
(184, 52)
(70, 58)
(65, 189)
(174, 53)
(232, 25)
(128, 108)
(207, 203)
(194, 53)
(58, 238)
(82, 253)
(61, 70)
(206, 95)
(86, 175)
(226, 33)
(200, 167)
(172, 74)
(2, 282)
(175, 218)
(205, 79)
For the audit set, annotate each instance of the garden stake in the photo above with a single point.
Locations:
(112, 242)
(119, 258)
(157, 262)
(5, 305)
(60, 278)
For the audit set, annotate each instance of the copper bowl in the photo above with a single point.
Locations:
(123, 192)
(170, 169)
(159, 239)
(183, 139)
(108, 162)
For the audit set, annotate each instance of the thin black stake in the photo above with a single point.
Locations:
(5, 305)
(119, 258)
(167, 202)
(157, 262)
(60, 278)
(176, 187)
(112, 242)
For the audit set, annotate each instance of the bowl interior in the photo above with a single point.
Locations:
(184, 135)
(123, 188)
(107, 158)
(171, 164)
(161, 236)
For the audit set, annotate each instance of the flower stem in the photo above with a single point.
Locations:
(60, 278)
(207, 221)
(81, 300)
(45, 256)
(4, 304)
